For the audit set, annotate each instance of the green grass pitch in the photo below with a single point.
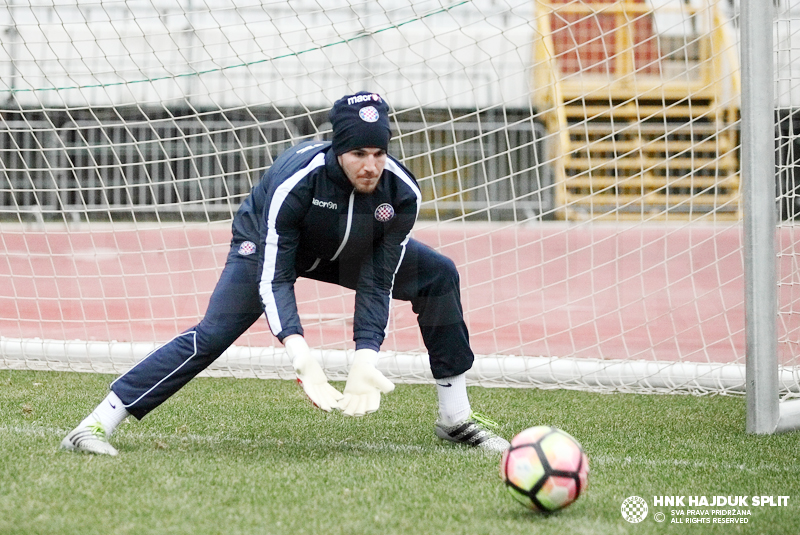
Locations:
(239, 456)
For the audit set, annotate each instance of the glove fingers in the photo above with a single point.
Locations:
(348, 404)
(322, 395)
(363, 405)
(331, 393)
(372, 402)
(328, 396)
(356, 405)
(362, 393)
(317, 398)
(382, 383)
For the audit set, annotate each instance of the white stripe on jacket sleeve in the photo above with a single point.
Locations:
(271, 242)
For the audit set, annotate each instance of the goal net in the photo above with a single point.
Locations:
(578, 161)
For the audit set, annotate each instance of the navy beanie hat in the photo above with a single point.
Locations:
(359, 121)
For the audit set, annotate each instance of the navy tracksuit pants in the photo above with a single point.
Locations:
(426, 278)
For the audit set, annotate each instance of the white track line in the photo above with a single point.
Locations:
(595, 460)
(45, 432)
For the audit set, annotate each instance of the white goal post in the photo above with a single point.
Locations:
(580, 161)
(761, 91)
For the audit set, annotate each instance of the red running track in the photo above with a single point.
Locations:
(659, 292)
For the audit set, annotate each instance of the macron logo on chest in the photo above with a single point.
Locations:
(324, 204)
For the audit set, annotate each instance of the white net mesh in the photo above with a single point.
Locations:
(578, 161)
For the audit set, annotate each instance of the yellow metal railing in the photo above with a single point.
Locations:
(591, 54)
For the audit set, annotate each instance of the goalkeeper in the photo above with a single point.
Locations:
(338, 212)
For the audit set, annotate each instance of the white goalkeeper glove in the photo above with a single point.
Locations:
(310, 374)
(362, 393)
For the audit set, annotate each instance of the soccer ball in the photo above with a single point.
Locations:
(545, 469)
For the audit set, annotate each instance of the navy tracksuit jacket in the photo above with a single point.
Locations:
(304, 219)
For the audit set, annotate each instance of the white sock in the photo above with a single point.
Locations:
(109, 414)
(453, 401)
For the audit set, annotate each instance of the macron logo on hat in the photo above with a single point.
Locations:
(358, 99)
